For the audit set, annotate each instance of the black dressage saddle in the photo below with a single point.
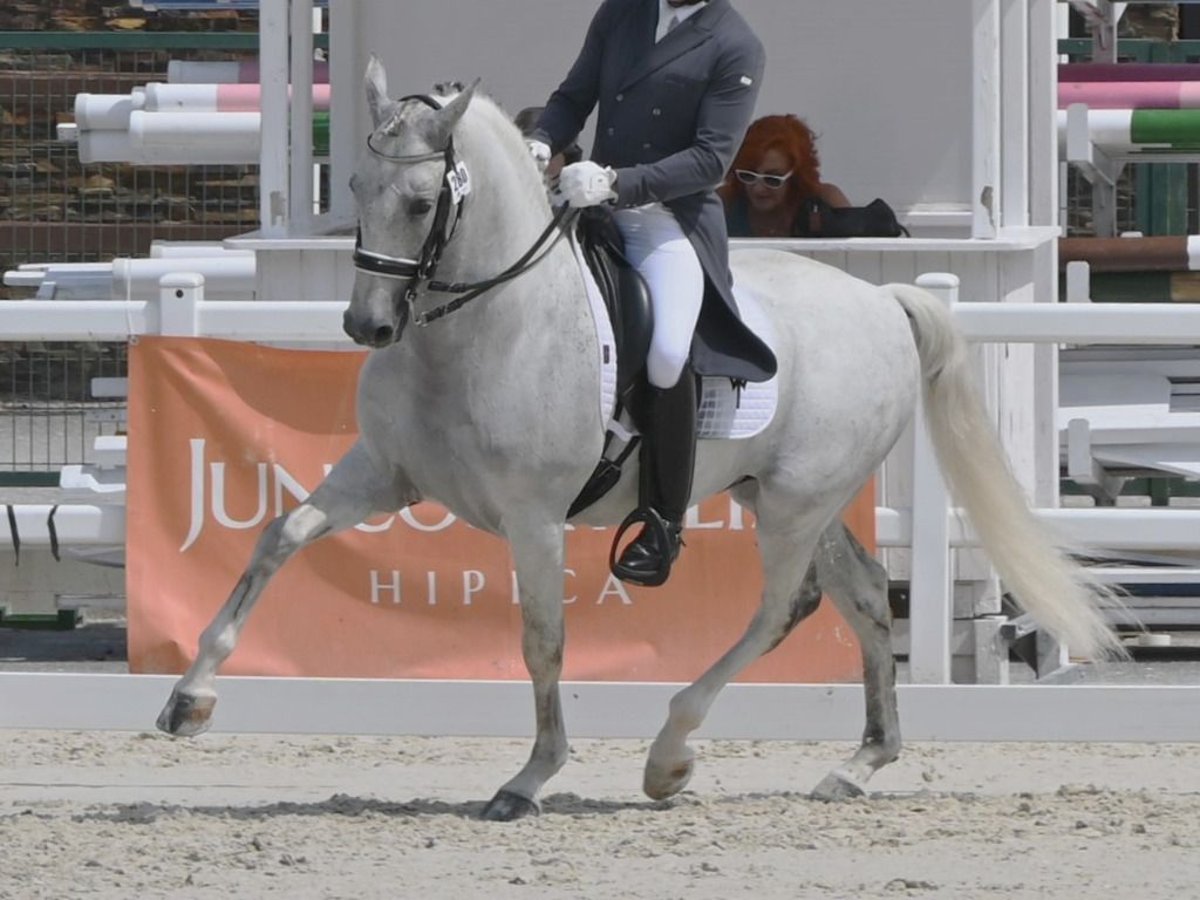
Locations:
(626, 294)
(627, 299)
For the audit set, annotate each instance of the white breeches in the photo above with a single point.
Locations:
(657, 247)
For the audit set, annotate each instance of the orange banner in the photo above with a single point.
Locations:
(224, 436)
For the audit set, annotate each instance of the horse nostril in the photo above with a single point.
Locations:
(383, 335)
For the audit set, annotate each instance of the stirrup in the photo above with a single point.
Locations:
(660, 532)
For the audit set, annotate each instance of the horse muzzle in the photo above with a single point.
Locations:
(378, 322)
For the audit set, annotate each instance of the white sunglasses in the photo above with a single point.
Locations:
(774, 182)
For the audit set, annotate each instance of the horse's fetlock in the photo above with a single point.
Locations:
(887, 746)
(219, 643)
(684, 715)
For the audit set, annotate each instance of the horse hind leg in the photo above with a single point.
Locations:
(350, 493)
(857, 584)
(790, 595)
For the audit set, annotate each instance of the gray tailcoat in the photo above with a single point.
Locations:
(671, 118)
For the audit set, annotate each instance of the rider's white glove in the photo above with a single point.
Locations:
(540, 151)
(585, 184)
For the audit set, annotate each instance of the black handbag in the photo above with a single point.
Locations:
(818, 219)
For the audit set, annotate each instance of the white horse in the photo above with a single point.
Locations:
(492, 412)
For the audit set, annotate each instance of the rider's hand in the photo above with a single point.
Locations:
(585, 184)
(540, 151)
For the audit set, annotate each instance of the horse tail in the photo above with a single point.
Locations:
(1032, 562)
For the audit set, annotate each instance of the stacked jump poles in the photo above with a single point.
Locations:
(1135, 109)
(1134, 269)
(216, 122)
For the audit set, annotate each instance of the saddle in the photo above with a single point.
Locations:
(728, 408)
(626, 294)
(627, 299)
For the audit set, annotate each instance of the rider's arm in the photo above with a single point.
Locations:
(568, 108)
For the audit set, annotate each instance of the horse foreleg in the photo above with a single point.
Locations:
(788, 598)
(350, 493)
(538, 558)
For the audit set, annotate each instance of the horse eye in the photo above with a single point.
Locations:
(420, 207)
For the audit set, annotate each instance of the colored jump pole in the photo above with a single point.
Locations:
(1139, 129)
(1129, 72)
(1172, 253)
(1130, 94)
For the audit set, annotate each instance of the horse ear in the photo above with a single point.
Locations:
(448, 116)
(375, 82)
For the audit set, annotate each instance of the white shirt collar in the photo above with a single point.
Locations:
(665, 11)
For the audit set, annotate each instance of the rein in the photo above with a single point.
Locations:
(456, 185)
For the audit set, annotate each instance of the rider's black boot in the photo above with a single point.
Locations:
(668, 458)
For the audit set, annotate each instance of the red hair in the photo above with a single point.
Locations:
(791, 137)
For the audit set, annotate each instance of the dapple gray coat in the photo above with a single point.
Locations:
(672, 116)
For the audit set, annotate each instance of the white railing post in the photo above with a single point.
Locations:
(930, 600)
(179, 297)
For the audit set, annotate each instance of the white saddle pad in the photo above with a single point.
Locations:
(725, 412)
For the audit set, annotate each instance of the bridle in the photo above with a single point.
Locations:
(419, 273)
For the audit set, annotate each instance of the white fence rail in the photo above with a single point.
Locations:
(931, 527)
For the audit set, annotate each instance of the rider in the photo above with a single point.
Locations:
(676, 82)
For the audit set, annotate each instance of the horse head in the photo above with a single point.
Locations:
(408, 198)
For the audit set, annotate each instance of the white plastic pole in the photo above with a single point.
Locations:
(104, 146)
(160, 249)
(179, 297)
(197, 138)
(226, 277)
(274, 199)
(106, 112)
(931, 609)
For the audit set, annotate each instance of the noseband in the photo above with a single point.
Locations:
(419, 273)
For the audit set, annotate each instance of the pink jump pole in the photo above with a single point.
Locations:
(1130, 94)
(160, 97)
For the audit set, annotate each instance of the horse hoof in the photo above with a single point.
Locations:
(835, 788)
(187, 715)
(661, 782)
(508, 807)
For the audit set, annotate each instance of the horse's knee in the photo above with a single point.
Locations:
(287, 534)
(303, 525)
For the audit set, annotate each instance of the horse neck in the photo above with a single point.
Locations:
(505, 215)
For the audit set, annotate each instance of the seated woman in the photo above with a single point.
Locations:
(773, 175)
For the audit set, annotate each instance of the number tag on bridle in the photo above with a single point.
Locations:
(459, 181)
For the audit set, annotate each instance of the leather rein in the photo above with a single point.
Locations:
(419, 273)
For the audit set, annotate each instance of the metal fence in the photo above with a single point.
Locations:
(55, 209)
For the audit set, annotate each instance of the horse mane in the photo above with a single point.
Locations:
(501, 128)
(484, 108)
